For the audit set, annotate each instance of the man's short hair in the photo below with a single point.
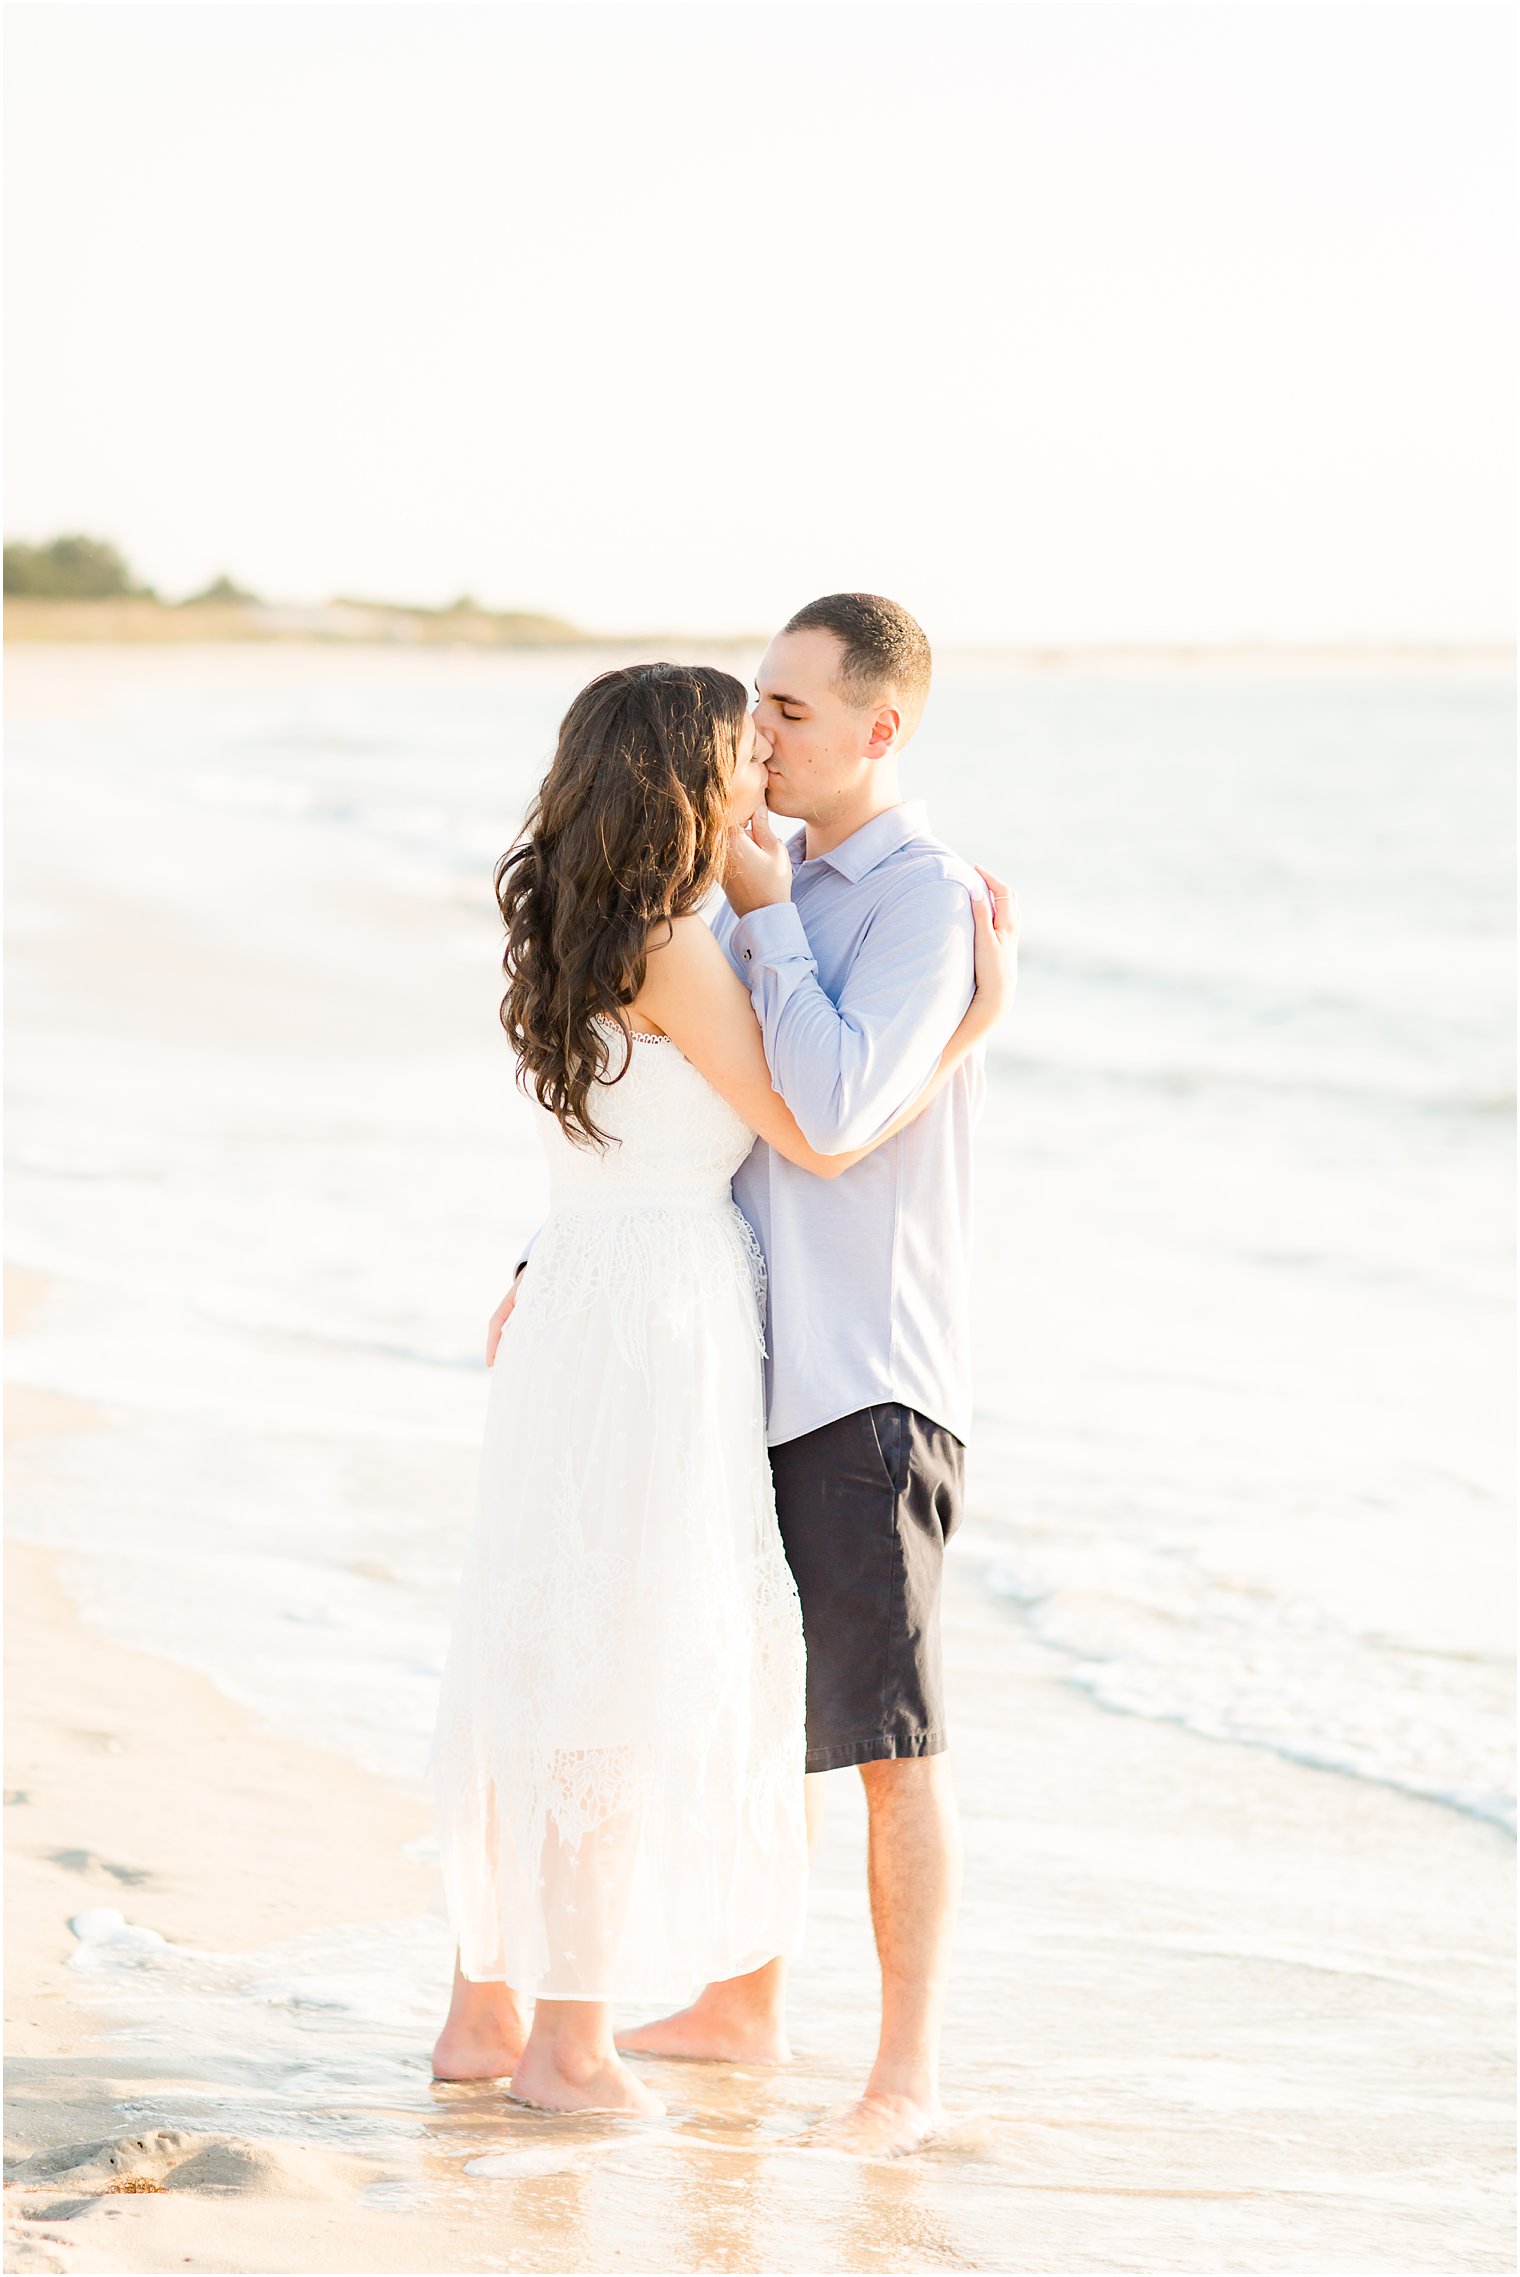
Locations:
(885, 652)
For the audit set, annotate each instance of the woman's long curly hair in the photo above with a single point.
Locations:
(627, 830)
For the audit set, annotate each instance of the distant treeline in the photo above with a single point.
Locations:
(79, 569)
(88, 569)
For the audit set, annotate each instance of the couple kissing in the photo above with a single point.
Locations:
(730, 1385)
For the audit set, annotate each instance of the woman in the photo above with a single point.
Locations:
(619, 1750)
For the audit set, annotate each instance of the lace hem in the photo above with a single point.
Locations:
(572, 1649)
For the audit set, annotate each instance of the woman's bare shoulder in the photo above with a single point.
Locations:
(687, 975)
(683, 943)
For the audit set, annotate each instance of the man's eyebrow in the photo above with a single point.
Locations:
(798, 702)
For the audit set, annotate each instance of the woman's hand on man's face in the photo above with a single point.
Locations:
(758, 871)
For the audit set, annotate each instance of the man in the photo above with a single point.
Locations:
(856, 943)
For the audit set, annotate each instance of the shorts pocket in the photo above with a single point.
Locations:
(889, 1428)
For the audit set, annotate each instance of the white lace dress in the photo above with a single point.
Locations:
(618, 1757)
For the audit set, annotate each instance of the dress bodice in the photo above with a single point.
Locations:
(673, 1141)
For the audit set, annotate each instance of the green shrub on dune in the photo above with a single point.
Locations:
(221, 589)
(71, 569)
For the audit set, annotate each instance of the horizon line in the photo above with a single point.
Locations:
(299, 619)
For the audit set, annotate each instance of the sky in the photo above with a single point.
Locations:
(1062, 321)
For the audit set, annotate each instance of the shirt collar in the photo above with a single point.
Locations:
(871, 843)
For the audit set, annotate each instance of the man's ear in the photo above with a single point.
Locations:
(886, 731)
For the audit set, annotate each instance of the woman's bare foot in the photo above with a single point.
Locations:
(878, 2126)
(484, 2033)
(485, 2051)
(557, 2080)
(711, 2033)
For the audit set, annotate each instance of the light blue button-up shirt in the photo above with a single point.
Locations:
(859, 982)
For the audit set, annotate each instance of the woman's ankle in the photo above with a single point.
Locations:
(578, 2046)
(485, 2006)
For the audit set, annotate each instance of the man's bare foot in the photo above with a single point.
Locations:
(711, 2031)
(878, 2126)
(563, 2083)
(487, 2048)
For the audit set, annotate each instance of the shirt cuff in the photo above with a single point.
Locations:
(769, 937)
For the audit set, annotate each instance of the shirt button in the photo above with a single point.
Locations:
(748, 955)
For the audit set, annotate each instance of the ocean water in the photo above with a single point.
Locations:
(1242, 1458)
(1243, 1441)
(1246, 1424)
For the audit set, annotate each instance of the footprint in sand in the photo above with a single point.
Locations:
(165, 2159)
(91, 1862)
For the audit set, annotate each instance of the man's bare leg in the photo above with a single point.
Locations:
(739, 2020)
(484, 2034)
(914, 1865)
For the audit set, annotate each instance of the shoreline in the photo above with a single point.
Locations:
(1142, 1905)
(133, 1785)
(131, 623)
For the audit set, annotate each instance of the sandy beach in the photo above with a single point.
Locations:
(1287, 1987)
(1214, 2008)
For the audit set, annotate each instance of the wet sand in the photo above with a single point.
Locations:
(1221, 2011)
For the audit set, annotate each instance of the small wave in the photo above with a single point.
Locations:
(534, 2160)
(1111, 1692)
(1213, 1081)
(1247, 1669)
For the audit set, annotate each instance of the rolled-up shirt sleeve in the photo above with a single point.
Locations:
(847, 1070)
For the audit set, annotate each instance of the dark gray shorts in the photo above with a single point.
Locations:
(866, 1506)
